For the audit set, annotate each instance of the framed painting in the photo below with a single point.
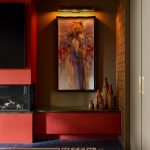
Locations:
(76, 69)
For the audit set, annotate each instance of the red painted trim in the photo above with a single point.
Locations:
(16, 128)
(33, 43)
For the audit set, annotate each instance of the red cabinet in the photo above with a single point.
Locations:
(78, 123)
(99, 123)
(16, 128)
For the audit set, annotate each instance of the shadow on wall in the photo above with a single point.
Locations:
(47, 62)
(99, 48)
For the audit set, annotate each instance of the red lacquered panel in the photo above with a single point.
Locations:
(33, 44)
(99, 123)
(78, 123)
(61, 123)
(16, 128)
(15, 76)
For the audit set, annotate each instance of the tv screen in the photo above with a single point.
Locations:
(12, 35)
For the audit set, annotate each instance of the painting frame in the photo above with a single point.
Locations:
(87, 22)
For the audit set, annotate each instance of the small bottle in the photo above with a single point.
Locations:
(91, 105)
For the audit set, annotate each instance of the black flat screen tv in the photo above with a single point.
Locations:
(12, 35)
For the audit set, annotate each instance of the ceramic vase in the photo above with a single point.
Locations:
(99, 104)
(91, 105)
(105, 92)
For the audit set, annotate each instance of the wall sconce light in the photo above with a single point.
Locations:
(75, 9)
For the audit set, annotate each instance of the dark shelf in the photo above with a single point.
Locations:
(73, 109)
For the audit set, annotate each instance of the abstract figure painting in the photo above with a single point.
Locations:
(76, 53)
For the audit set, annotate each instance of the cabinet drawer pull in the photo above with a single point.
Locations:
(141, 85)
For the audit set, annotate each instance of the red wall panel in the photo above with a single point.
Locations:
(16, 128)
(15, 76)
(33, 44)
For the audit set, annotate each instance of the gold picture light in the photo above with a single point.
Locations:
(75, 9)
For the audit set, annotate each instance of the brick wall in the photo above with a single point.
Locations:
(120, 63)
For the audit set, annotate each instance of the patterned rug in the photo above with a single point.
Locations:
(67, 145)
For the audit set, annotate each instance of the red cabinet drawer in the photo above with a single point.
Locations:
(99, 123)
(61, 123)
(16, 128)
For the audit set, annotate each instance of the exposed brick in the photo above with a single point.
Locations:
(120, 63)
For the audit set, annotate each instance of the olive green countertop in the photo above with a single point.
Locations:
(62, 109)
(15, 112)
(73, 109)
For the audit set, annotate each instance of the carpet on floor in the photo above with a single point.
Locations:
(70, 144)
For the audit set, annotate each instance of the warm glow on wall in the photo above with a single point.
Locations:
(48, 17)
(70, 14)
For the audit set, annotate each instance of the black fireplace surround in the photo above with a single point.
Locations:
(16, 97)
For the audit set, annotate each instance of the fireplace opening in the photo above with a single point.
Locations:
(16, 97)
